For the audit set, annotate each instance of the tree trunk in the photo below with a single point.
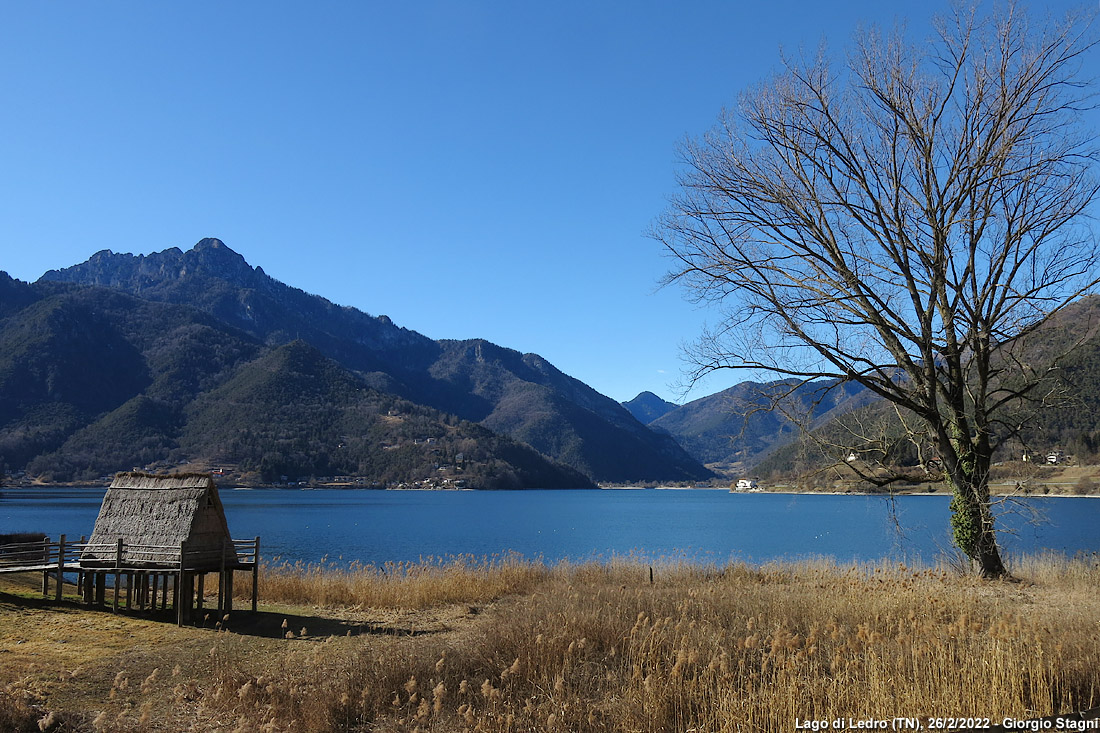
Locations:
(971, 513)
(989, 554)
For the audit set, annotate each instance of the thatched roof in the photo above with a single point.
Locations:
(161, 511)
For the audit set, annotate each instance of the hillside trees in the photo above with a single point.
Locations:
(902, 219)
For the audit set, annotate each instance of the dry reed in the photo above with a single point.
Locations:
(599, 648)
(412, 585)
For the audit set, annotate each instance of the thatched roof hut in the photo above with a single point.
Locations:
(154, 514)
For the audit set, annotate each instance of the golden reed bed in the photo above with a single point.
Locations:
(510, 645)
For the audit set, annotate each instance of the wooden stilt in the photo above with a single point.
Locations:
(193, 598)
(256, 576)
(177, 599)
(187, 595)
(87, 587)
(185, 601)
(80, 575)
(46, 561)
(60, 568)
(118, 571)
(179, 595)
(221, 580)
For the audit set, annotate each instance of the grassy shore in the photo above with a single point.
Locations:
(508, 645)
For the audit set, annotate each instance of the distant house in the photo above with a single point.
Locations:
(746, 484)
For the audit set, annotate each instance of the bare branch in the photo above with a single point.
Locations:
(904, 220)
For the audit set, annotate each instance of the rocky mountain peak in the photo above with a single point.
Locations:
(137, 273)
(213, 257)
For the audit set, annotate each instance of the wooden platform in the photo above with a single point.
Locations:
(138, 571)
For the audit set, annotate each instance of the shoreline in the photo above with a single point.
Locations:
(720, 489)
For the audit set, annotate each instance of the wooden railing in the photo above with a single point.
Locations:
(29, 553)
(43, 555)
(96, 560)
(62, 556)
(122, 554)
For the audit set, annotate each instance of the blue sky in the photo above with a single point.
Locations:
(471, 169)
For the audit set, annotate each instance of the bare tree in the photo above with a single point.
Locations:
(901, 220)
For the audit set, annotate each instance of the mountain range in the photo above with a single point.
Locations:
(733, 430)
(736, 431)
(197, 358)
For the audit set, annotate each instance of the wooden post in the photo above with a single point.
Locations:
(88, 586)
(221, 581)
(176, 598)
(189, 607)
(187, 595)
(255, 575)
(165, 578)
(118, 570)
(80, 576)
(178, 594)
(60, 568)
(46, 561)
(202, 591)
(100, 577)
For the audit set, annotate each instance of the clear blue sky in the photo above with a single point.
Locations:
(471, 169)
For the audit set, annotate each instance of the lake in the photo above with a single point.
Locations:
(696, 524)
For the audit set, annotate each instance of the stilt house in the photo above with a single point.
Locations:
(155, 514)
(164, 530)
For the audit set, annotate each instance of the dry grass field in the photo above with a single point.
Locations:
(507, 645)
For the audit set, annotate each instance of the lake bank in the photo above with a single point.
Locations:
(1031, 487)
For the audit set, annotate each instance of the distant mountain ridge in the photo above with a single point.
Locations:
(519, 395)
(647, 407)
(94, 380)
(733, 430)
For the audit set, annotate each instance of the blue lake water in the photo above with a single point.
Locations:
(697, 524)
